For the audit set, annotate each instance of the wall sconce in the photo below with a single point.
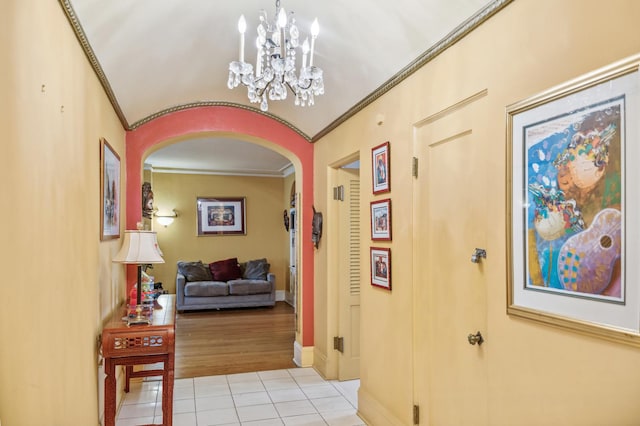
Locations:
(166, 219)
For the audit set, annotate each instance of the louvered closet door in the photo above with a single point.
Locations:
(349, 275)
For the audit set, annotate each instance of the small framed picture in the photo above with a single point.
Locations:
(381, 267)
(221, 216)
(381, 220)
(109, 192)
(381, 168)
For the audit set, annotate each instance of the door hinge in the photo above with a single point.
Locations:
(338, 344)
(414, 167)
(338, 193)
(416, 415)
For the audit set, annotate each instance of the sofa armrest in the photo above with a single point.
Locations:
(272, 279)
(180, 283)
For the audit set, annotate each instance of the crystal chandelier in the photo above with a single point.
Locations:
(275, 70)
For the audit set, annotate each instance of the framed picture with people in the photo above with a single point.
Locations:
(381, 168)
(109, 192)
(381, 267)
(381, 220)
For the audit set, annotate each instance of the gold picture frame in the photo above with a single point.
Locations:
(569, 210)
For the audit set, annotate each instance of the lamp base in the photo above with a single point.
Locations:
(139, 319)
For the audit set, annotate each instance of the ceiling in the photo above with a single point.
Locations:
(156, 56)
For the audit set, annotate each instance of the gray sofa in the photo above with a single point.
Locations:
(199, 286)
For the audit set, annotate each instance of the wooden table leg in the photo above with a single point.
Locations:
(109, 393)
(167, 391)
(127, 377)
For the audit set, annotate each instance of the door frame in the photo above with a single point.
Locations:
(333, 291)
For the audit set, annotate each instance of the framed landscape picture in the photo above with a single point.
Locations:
(380, 167)
(109, 192)
(573, 205)
(381, 220)
(221, 216)
(381, 267)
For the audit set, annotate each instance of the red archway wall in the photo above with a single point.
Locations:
(230, 120)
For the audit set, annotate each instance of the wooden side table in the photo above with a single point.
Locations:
(140, 345)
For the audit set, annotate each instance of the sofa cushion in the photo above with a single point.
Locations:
(206, 288)
(195, 271)
(256, 269)
(243, 287)
(225, 270)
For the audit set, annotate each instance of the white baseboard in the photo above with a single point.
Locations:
(280, 296)
(302, 355)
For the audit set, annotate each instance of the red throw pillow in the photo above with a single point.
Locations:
(225, 270)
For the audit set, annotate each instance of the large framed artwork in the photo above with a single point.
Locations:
(574, 204)
(381, 168)
(381, 267)
(109, 192)
(221, 216)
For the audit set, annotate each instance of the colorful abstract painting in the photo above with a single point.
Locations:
(573, 181)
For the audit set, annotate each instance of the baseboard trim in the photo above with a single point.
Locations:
(373, 412)
(302, 355)
(322, 364)
(280, 296)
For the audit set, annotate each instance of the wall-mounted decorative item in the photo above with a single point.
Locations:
(109, 192)
(572, 161)
(221, 216)
(381, 267)
(147, 200)
(381, 220)
(316, 228)
(380, 167)
(165, 218)
(286, 220)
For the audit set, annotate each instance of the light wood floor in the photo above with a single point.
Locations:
(232, 341)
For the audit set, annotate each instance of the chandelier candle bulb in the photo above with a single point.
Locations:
(242, 27)
(315, 30)
(282, 18)
(259, 59)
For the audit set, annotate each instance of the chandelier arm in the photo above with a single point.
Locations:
(290, 87)
(259, 93)
(307, 87)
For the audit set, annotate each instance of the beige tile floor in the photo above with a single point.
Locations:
(298, 396)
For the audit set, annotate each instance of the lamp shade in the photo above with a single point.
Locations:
(139, 247)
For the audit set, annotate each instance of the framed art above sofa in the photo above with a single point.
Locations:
(221, 216)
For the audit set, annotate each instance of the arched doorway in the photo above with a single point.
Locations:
(253, 127)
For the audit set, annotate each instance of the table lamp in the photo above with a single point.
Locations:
(139, 248)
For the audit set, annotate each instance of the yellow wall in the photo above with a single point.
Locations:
(265, 236)
(59, 280)
(537, 375)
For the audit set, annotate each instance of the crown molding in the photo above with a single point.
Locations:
(453, 37)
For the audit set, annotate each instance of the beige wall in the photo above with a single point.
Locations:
(59, 280)
(536, 374)
(265, 236)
